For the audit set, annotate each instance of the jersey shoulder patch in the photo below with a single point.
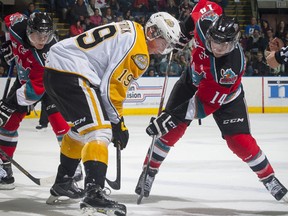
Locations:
(141, 61)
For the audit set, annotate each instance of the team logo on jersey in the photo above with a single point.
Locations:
(141, 61)
(228, 76)
(21, 49)
(169, 22)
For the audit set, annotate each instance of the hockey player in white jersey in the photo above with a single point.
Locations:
(88, 76)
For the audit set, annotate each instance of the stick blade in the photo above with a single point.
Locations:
(114, 184)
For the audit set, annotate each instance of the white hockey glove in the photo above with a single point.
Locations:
(3, 173)
(6, 111)
(161, 125)
(7, 52)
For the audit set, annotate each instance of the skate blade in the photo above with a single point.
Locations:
(7, 186)
(90, 211)
(60, 200)
(285, 198)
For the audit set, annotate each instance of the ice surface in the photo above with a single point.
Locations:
(200, 177)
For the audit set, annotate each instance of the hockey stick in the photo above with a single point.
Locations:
(154, 137)
(117, 183)
(38, 181)
(9, 75)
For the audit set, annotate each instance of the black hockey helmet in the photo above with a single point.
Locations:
(41, 23)
(224, 31)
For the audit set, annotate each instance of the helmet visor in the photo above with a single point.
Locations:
(40, 37)
(219, 49)
(162, 45)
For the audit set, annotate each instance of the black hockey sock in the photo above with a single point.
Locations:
(95, 173)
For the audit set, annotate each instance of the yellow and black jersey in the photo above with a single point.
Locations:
(109, 57)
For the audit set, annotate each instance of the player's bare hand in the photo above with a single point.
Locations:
(271, 60)
(276, 44)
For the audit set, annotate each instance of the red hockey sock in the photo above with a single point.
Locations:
(162, 145)
(58, 123)
(246, 148)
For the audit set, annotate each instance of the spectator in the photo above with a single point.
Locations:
(255, 43)
(163, 66)
(79, 11)
(141, 6)
(249, 69)
(264, 27)
(119, 18)
(114, 5)
(157, 5)
(142, 20)
(172, 8)
(185, 10)
(31, 9)
(109, 15)
(260, 68)
(76, 28)
(91, 7)
(175, 69)
(104, 21)
(270, 37)
(151, 72)
(281, 30)
(63, 9)
(100, 4)
(125, 4)
(128, 15)
(87, 24)
(96, 19)
(183, 63)
(249, 29)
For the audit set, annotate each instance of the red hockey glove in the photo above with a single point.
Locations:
(161, 125)
(120, 134)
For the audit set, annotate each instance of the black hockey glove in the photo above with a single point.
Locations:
(120, 134)
(6, 110)
(161, 125)
(6, 50)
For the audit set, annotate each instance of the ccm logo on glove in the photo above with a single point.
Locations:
(161, 125)
(5, 112)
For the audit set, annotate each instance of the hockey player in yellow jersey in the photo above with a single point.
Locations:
(88, 77)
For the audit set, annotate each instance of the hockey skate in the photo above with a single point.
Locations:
(42, 128)
(148, 183)
(65, 192)
(278, 191)
(96, 201)
(6, 176)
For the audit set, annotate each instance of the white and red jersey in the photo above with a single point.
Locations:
(29, 61)
(218, 79)
(109, 57)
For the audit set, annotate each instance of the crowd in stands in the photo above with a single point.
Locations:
(255, 40)
(82, 15)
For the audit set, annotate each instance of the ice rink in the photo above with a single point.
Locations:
(200, 177)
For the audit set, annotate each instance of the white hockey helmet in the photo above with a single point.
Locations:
(163, 25)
